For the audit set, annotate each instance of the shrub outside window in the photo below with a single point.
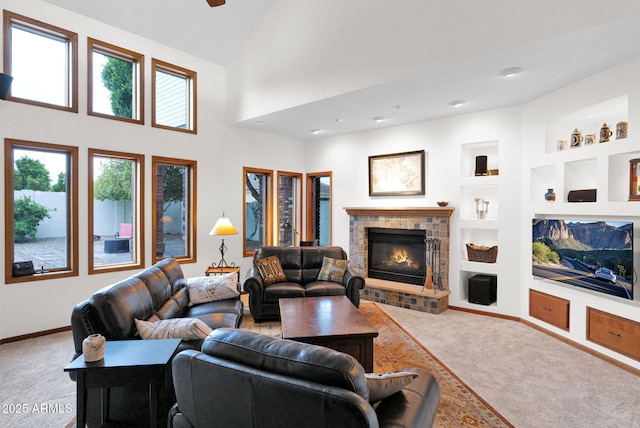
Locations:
(116, 211)
(174, 225)
(41, 209)
(116, 82)
(173, 97)
(43, 61)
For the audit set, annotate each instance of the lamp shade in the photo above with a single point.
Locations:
(5, 83)
(223, 227)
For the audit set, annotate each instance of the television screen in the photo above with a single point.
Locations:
(596, 255)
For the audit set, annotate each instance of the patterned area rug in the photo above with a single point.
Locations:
(396, 349)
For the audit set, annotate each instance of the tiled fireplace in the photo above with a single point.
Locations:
(431, 296)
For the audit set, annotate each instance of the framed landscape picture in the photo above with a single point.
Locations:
(397, 174)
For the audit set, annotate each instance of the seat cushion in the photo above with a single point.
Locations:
(279, 290)
(324, 288)
(221, 313)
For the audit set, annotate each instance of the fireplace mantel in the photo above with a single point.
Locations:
(401, 211)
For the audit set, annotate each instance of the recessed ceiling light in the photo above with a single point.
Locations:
(260, 122)
(338, 120)
(397, 106)
(315, 131)
(457, 103)
(378, 119)
(511, 71)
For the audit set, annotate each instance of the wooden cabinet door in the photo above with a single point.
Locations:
(550, 309)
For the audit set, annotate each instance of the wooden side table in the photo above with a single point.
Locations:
(222, 270)
(125, 363)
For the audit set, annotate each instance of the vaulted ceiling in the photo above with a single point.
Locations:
(554, 44)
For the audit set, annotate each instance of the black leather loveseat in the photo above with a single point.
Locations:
(301, 266)
(247, 380)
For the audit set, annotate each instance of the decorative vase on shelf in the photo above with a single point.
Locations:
(482, 207)
(550, 196)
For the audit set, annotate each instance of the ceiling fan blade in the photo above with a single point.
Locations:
(214, 3)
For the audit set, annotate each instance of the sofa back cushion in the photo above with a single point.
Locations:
(173, 272)
(301, 264)
(158, 285)
(116, 307)
(288, 358)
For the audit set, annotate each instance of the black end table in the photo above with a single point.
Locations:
(127, 363)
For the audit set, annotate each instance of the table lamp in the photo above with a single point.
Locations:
(223, 227)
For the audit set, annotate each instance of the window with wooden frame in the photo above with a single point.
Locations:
(116, 211)
(318, 219)
(174, 97)
(43, 61)
(289, 214)
(41, 209)
(174, 214)
(115, 82)
(256, 204)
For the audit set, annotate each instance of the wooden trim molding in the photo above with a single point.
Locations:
(401, 211)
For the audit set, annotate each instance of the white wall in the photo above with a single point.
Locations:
(347, 157)
(221, 152)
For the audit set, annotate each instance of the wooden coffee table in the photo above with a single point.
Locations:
(330, 321)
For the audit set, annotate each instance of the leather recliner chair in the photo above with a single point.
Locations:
(244, 379)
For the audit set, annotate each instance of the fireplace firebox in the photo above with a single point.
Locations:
(397, 255)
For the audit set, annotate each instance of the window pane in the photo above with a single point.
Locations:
(40, 210)
(289, 208)
(40, 67)
(173, 213)
(319, 208)
(257, 202)
(172, 100)
(113, 86)
(114, 204)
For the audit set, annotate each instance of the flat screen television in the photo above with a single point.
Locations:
(593, 255)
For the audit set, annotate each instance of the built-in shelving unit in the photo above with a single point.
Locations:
(603, 166)
(472, 229)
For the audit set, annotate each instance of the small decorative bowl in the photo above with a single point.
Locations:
(443, 203)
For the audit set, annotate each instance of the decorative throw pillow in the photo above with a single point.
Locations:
(210, 288)
(332, 269)
(383, 385)
(270, 270)
(173, 328)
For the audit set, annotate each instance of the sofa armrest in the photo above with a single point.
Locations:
(253, 283)
(353, 282)
(414, 406)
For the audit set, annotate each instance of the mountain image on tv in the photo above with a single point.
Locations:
(595, 255)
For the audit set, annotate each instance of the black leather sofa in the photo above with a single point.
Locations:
(156, 292)
(244, 379)
(301, 266)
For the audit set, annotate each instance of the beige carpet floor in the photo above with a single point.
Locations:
(532, 379)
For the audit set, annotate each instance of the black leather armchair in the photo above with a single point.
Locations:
(244, 379)
(301, 266)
